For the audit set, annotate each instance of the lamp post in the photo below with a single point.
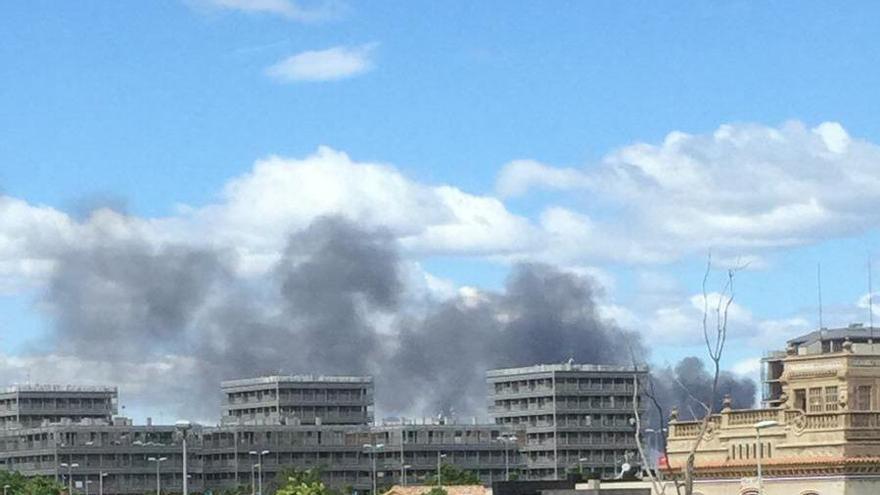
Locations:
(158, 461)
(5, 487)
(581, 462)
(253, 479)
(507, 439)
(86, 484)
(259, 466)
(403, 480)
(373, 448)
(183, 427)
(760, 451)
(69, 475)
(440, 456)
(101, 483)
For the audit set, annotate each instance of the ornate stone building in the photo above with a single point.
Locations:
(819, 430)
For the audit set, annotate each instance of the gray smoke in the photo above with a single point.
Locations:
(169, 323)
(542, 316)
(688, 385)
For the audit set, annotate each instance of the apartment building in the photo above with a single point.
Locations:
(101, 456)
(34, 405)
(575, 416)
(271, 422)
(300, 399)
(230, 452)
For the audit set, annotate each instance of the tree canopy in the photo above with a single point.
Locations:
(451, 475)
(29, 485)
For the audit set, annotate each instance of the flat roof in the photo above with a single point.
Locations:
(852, 332)
(545, 368)
(266, 380)
(59, 388)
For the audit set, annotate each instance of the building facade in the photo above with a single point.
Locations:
(574, 416)
(34, 405)
(300, 399)
(818, 434)
(303, 422)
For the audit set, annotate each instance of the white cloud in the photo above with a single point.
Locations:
(518, 176)
(288, 9)
(339, 62)
(750, 367)
(258, 210)
(740, 189)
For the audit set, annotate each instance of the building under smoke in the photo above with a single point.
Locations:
(573, 416)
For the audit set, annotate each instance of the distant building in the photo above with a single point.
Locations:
(34, 405)
(300, 421)
(820, 428)
(300, 399)
(575, 416)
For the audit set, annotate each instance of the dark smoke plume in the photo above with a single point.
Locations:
(169, 323)
(688, 385)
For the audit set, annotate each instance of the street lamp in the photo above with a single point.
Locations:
(259, 466)
(69, 475)
(581, 462)
(5, 487)
(101, 483)
(373, 448)
(758, 427)
(439, 476)
(86, 484)
(158, 476)
(403, 480)
(507, 439)
(183, 427)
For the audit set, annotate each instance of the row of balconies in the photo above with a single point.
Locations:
(300, 399)
(548, 407)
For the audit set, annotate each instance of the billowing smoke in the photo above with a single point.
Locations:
(168, 323)
(688, 386)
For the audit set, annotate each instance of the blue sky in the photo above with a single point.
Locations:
(161, 104)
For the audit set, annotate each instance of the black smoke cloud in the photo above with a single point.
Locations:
(169, 323)
(688, 385)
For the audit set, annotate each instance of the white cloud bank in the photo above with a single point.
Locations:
(744, 187)
(332, 64)
(258, 210)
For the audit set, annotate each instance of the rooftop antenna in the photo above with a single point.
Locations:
(819, 281)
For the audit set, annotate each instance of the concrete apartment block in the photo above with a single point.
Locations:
(300, 399)
(574, 416)
(34, 405)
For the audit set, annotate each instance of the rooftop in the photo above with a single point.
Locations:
(264, 380)
(542, 368)
(59, 388)
(855, 332)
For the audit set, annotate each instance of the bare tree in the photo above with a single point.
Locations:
(715, 337)
(658, 479)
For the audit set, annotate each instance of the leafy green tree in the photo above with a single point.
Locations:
(291, 481)
(33, 485)
(240, 489)
(451, 475)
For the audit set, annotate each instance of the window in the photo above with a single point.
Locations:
(831, 398)
(863, 398)
(800, 399)
(815, 397)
